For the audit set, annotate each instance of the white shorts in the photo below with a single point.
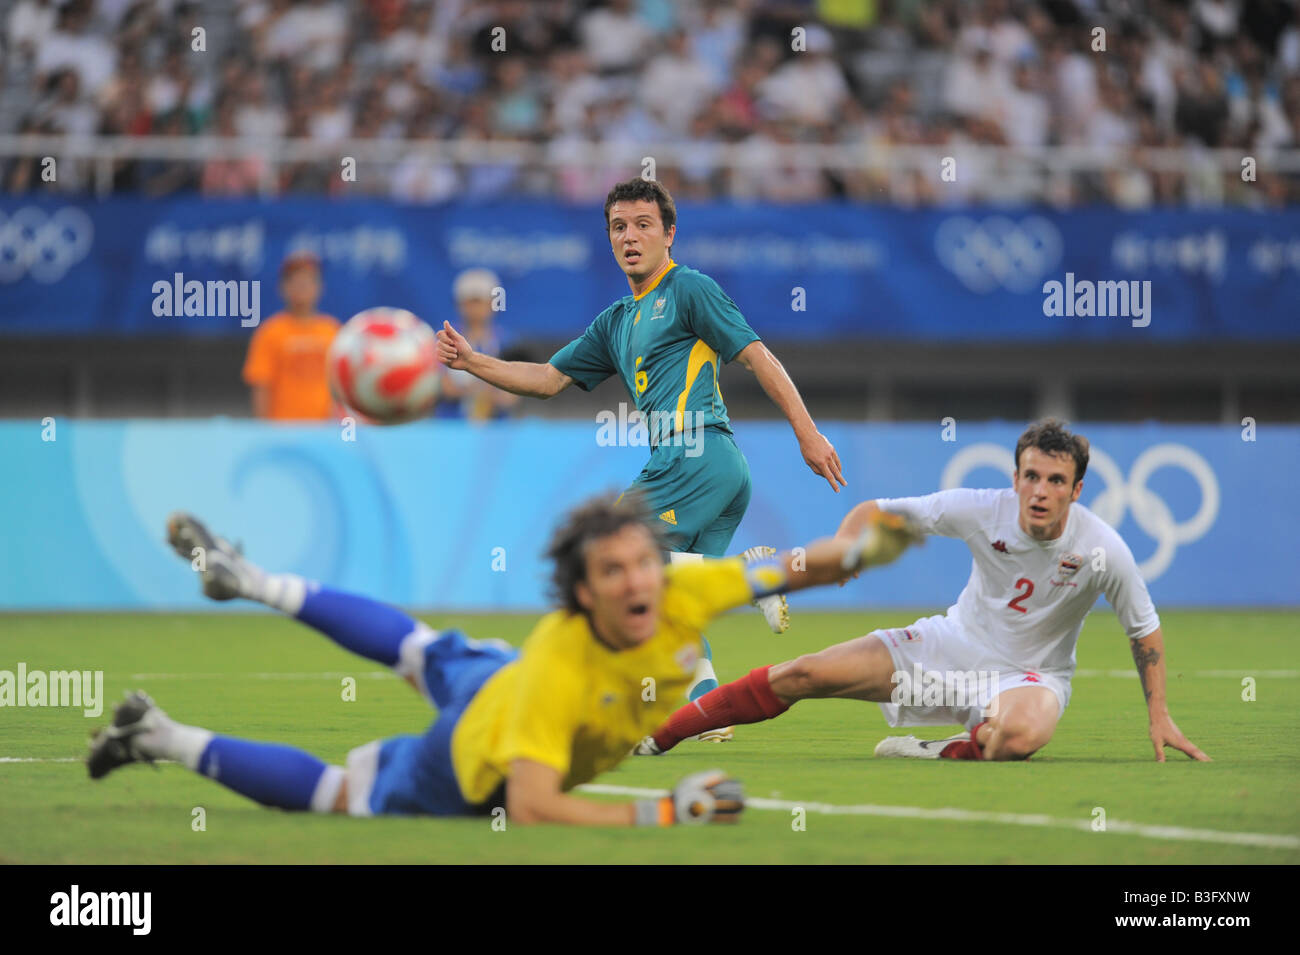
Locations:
(950, 679)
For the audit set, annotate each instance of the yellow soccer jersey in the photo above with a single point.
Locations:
(572, 703)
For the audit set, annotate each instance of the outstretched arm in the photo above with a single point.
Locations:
(1149, 655)
(873, 539)
(818, 453)
(528, 378)
(533, 796)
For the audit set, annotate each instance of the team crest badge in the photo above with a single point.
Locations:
(1069, 566)
(687, 657)
(660, 303)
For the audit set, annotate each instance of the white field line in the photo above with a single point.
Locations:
(385, 674)
(1237, 674)
(363, 674)
(1176, 833)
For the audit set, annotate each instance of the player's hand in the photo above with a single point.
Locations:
(819, 454)
(709, 796)
(453, 349)
(1165, 733)
(881, 542)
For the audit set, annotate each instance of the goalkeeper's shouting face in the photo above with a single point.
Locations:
(609, 566)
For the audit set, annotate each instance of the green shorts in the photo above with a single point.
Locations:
(698, 494)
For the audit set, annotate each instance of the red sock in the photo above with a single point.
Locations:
(964, 748)
(747, 700)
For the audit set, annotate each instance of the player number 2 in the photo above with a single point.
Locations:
(1017, 603)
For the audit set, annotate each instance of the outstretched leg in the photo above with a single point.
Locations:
(268, 773)
(859, 669)
(366, 627)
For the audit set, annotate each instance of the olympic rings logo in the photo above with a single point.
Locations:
(997, 252)
(43, 246)
(1150, 511)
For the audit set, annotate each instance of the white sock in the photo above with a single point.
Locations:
(703, 671)
(678, 557)
(327, 789)
(283, 592)
(172, 740)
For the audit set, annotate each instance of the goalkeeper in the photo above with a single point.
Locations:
(517, 729)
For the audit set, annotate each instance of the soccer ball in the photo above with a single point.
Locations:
(383, 364)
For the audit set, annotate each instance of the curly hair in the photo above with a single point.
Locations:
(1051, 437)
(592, 520)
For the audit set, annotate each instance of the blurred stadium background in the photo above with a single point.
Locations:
(402, 143)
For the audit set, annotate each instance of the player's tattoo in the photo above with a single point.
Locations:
(1144, 657)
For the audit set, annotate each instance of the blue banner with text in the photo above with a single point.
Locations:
(821, 272)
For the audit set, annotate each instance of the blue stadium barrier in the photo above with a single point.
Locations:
(69, 267)
(448, 515)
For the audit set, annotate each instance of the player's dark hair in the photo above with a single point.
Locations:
(590, 521)
(647, 189)
(1051, 437)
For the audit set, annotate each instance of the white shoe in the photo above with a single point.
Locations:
(647, 747)
(774, 607)
(723, 734)
(909, 747)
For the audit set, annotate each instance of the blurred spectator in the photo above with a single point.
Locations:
(73, 46)
(810, 86)
(1202, 109)
(29, 22)
(676, 83)
(285, 369)
(463, 395)
(614, 37)
(620, 76)
(239, 175)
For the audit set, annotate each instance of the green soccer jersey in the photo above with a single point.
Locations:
(665, 344)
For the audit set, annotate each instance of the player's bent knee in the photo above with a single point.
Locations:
(1018, 738)
(799, 678)
(1010, 747)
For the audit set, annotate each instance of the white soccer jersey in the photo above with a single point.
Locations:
(1026, 599)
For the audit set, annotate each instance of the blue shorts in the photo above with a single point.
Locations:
(413, 775)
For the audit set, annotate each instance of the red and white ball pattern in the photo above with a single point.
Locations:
(383, 364)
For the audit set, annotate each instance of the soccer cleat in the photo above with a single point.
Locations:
(115, 745)
(647, 747)
(723, 734)
(774, 607)
(909, 747)
(224, 571)
(883, 541)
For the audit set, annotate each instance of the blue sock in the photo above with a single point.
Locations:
(359, 624)
(269, 773)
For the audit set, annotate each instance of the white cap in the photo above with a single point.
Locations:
(475, 283)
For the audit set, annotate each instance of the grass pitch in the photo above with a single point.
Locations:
(269, 678)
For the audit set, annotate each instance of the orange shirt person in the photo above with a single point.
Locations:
(286, 357)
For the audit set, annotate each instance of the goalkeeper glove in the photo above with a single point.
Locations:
(710, 796)
(882, 542)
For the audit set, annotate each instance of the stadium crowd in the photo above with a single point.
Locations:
(868, 75)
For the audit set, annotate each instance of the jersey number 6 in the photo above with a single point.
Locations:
(1017, 603)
